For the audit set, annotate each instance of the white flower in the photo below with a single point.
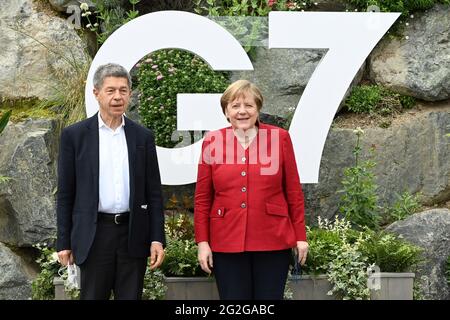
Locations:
(407, 24)
(411, 16)
(406, 37)
(54, 257)
(84, 6)
(96, 24)
(358, 131)
(88, 25)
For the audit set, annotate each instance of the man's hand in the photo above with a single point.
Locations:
(65, 257)
(205, 258)
(156, 255)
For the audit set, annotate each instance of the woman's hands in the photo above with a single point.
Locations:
(205, 256)
(302, 251)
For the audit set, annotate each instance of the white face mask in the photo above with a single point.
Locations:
(73, 280)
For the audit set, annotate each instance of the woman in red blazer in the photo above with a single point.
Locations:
(249, 207)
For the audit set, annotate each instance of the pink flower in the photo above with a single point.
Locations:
(159, 77)
(148, 60)
(271, 2)
(155, 66)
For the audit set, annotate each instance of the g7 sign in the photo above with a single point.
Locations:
(349, 38)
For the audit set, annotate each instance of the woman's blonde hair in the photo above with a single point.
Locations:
(240, 88)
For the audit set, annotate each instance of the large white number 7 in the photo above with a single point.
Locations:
(350, 37)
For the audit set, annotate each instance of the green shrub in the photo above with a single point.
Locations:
(364, 98)
(42, 286)
(405, 205)
(181, 250)
(376, 99)
(358, 202)
(348, 273)
(154, 287)
(181, 259)
(161, 76)
(345, 255)
(108, 17)
(390, 253)
(179, 223)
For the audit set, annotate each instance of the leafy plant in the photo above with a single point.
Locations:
(67, 96)
(4, 120)
(359, 199)
(161, 76)
(405, 205)
(247, 31)
(109, 16)
(345, 255)
(42, 286)
(154, 286)
(390, 253)
(181, 258)
(376, 99)
(348, 273)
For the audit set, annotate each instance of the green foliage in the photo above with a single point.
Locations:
(181, 259)
(363, 99)
(345, 255)
(390, 253)
(404, 6)
(323, 246)
(67, 96)
(181, 251)
(109, 16)
(232, 8)
(376, 99)
(161, 76)
(358, 202)
(407, 102)
(246, 30)
(180, 226)
(42, 286)
(154, 286)
(4, 120)
(405, 205)
(348, 273)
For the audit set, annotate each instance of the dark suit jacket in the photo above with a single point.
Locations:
(78, 193)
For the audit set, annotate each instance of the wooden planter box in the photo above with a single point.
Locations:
(392, 286)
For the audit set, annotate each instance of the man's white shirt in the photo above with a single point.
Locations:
(114, 178)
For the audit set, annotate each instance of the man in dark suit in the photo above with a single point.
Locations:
(109, 211)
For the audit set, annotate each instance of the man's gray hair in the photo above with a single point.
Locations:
(110, 70)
